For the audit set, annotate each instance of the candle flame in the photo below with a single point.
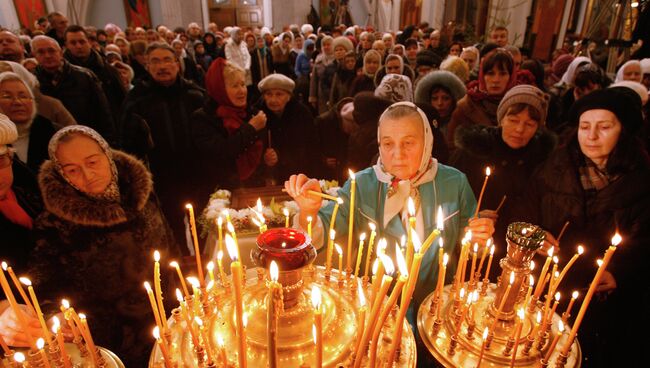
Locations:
(4, 265)
(556, 259)
(156, 333)
(309, 219)
(332, 234)
(492, 250)
(19, 357)
(220, 221)
(389, 267)
(402, 241)
(475, 247)
(25, 281)
(475, 296)
(521, 313)
(550, 251)
(381, 247)
(220, 341)
(461, 294)
(411, 207)
(313, 333)
(179, 295)
(485, 333)
(147, 286)
(339, 250)
(581, 249)
(274, 271)
(575, 294)
(210, 266)
(375, 266)
(362, 237)
(188, 206)
(174, 264)
(230, 227)
(445, 259)
(531, 280)
(441, 243)
(193, 281)
(156, 256)
(225, 212)
(255, 222)
(599, 262)
(351, 174)
(468, 236)
(56, 324)
(245, 319)
(512, 277)
(210, 285)
(557, 296)
(538, 318)
(285, 211)
(219, 256)
(532, 265)
(488, 171)
(316, 297)
(372, 226)
(616, 239)
(362, 296)
(415, 238)
(198, 321)
(339, 201)
(231, 247)
(259, 205)
(560, 326)
(40, 343)
(401, 262)
(66, 304)
(82, 316)
(440, 219)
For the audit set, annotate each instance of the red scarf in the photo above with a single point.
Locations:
(10, 209)
(233, 117)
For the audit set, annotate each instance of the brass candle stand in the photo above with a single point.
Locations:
(295, 341)
(78, 358)
(461, 346)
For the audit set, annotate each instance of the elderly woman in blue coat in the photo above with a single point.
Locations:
(405, 169)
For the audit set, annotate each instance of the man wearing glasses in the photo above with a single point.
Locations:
(20, 201)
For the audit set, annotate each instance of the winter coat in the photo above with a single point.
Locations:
(16, 241)
(341, 85)
(293, 136)
(39, 137)
(53, 110)
(217, 151)
(97, 254)
(471, 112)
(479, 146)
(321, 82)
(81, 93)
(107, 74)
(333, 142)
(155, 126)
(281, 61)
(555, 196)
(239, 55)
(362, 83)
(261, 65)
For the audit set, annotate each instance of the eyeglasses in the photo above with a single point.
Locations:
(6, 160)
(165, 61)
(20, 98)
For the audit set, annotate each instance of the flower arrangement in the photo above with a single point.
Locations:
(242, 219)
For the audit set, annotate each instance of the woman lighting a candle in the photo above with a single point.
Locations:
(405, 169)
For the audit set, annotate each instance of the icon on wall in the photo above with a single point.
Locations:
(29, 11)
(137, 13)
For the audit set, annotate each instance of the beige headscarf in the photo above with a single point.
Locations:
(400, 190)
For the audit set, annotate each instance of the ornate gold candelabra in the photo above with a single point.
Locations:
(484, 332)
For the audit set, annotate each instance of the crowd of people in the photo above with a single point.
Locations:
(105, 135)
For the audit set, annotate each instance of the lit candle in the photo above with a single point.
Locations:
(480, 196)
(5, 347)
(220, 228)
(480, 356)
(40, 344)
(387, 279)
(487, 270)
(236, 271)
(180, 276)
(557, 301)
(195, 241)
(503, 300)
(226, 213)
(441, 283)
(222, 274)
(560, 327)
(474, 254)
(37, 307)
(260, 216)
(373, 234)
(162, 346)
(362, 238)
(206, 341)
(567, 313)
(463, 313)
(210, 268)
(568, 266)
(392, 300)
(16, 282)
(19, 358)
(196, 292)
(158, 290)
(154, 305)
(16, 308)
(406, 298)
(330, 250)
(56, 330)
(186, 314)
(309, 221)
(339, 251)
(542, 275)
(520, 324)
(337, 203)
(85, 332)
(318, 325)
(531, 282)
(353, 189)
(273, 309)
(484, 254)
(285, 211)
(461, 260)
(66, 310)
(363, 308)
(222, 351)
(547, 303)
(410, 205)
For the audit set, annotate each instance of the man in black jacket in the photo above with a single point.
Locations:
(79, 52)
(77, 88)
(155, 126)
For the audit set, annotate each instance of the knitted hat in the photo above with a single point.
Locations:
(395, 87)
(621, 101)
(344, 42)
(439, 78)
(636, 87)
(457, 66)
(428, 58)
(8, 133)
(526, 94)
(276, 81)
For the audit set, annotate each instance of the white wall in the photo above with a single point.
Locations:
(8, 17)
(287, 12)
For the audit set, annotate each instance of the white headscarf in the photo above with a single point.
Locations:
(570, 75)
(400, 190)
(621, 70)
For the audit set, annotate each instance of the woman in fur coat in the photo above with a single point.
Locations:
(96, 238)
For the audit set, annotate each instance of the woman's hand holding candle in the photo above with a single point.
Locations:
(482, 229)
(297, 187)
(11, 329)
